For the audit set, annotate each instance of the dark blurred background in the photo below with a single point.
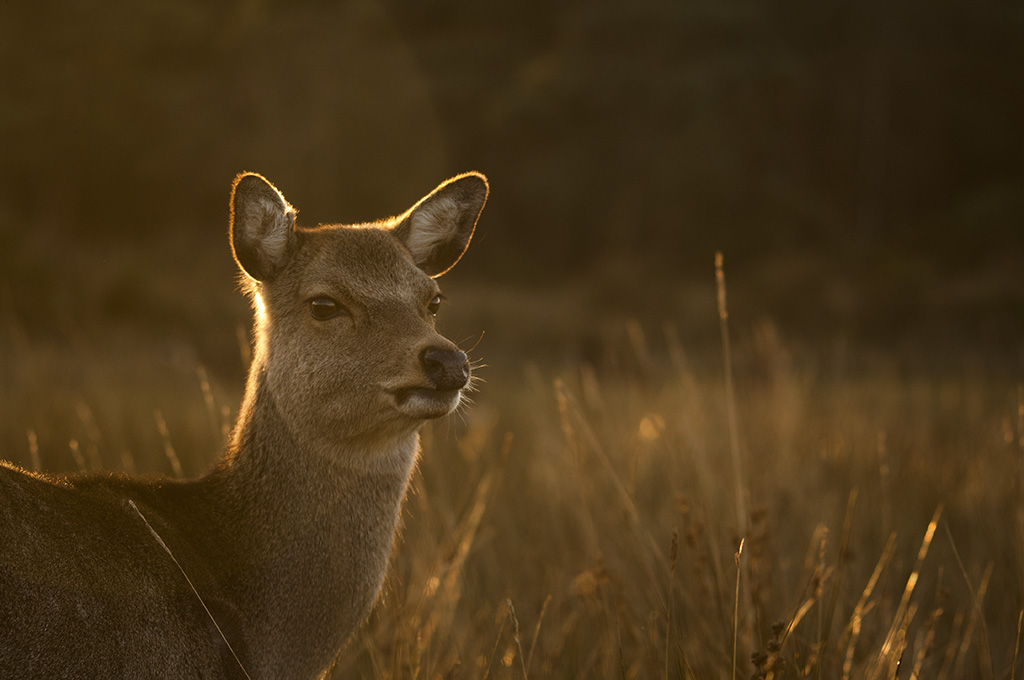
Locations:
(860, 164)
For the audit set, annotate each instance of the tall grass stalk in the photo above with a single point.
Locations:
(165, 437)
(855, 625)
(736, 610)
(33, 450)
(536, 632)
(516, 636)
(1020, 483)
(673, 555)
(886, 665)
(1016, 645)
(199, 597)
(730, 401)
(76, 453)
(211, 406)
(977, 614)
(841, 558)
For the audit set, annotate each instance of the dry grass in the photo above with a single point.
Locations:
(581, 519)
(566, 497)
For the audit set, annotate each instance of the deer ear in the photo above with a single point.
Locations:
(437, 230)
(262, 227)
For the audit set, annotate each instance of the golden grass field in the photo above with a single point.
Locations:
(838, 492)
(613, 506)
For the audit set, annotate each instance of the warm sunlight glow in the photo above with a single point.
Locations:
(261, 310)
(651, 427)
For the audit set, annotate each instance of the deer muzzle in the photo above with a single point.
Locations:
(446, 369)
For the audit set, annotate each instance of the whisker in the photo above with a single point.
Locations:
(481, 337)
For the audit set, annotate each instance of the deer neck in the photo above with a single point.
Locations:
(318, 530)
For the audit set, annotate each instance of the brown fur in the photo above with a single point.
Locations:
(287, 538)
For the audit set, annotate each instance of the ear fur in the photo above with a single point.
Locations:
(262, 226)
(437, 230)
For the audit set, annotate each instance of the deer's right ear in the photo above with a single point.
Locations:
(262, 227)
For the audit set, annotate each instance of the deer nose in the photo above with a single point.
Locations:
(447, 369)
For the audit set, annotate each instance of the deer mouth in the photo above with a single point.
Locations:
(427, 402)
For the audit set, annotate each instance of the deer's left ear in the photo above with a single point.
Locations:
(437, 230)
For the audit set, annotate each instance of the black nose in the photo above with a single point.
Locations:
(447, 369)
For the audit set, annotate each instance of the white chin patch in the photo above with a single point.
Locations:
(425, 404)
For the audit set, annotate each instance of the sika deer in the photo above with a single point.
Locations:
(286, 540)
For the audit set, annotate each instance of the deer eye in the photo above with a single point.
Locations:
(323, 308)
(434, 305)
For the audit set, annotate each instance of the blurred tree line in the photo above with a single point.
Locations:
(642, 135)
